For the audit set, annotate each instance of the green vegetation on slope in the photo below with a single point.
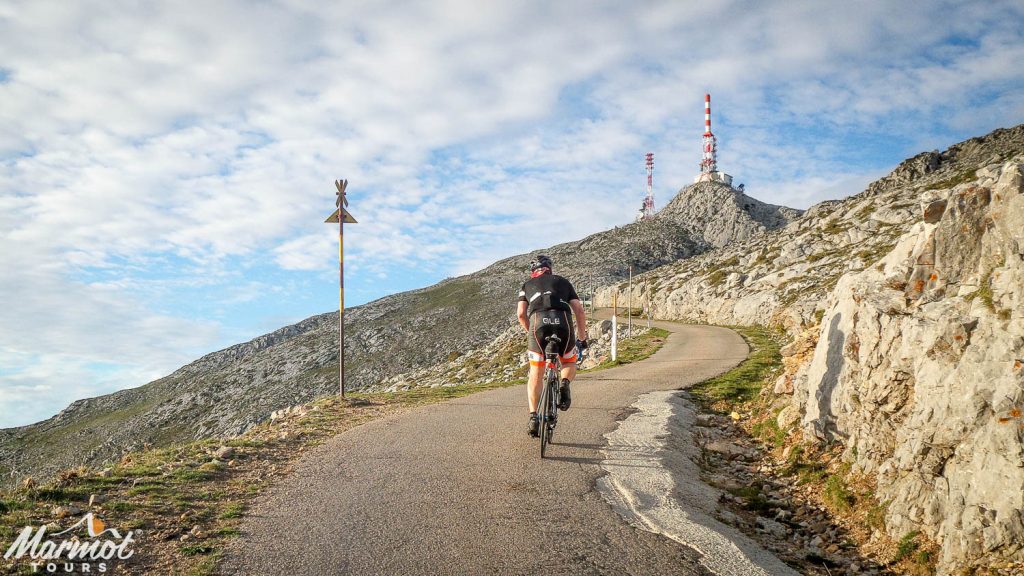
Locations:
(965, 175)
(453, 293)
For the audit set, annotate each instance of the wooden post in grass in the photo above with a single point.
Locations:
(341, 216)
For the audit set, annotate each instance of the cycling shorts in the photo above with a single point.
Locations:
(545, 323)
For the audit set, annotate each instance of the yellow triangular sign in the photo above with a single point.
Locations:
(334, 218)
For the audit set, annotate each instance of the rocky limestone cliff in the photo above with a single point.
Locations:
(919, 371)
(394, 339)
(905, 305)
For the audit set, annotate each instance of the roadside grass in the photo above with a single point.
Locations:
(743, 383)
(640, 347)
(423, 396)
(769, 432)
(186, 504)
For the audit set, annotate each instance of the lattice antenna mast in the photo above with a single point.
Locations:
(649, 199)
(709, 160)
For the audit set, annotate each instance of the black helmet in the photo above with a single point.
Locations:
(540, 261)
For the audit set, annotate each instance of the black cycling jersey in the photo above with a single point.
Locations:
(547, 292)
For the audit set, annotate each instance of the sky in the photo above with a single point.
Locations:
(166, 167)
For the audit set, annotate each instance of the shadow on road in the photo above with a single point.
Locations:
(572, 445)
(574, 460)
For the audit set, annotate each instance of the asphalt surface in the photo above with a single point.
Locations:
(459, 488)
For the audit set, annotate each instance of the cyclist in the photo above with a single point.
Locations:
(545, 302)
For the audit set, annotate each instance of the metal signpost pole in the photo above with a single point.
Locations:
(341, 298)
(341, 216)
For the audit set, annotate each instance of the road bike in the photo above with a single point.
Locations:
(550, 396)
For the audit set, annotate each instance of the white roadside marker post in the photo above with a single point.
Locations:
(629, 310)
(615, 332)
(647, 297)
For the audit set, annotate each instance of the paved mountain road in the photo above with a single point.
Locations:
(459, 488)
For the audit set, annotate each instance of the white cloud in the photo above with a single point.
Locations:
(160, 148)
(306, 252)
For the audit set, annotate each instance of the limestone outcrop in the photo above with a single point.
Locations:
(919, 371)
(718, 215)
(905, 304)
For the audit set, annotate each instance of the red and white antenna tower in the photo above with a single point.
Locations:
(709, 160)
(648, 210)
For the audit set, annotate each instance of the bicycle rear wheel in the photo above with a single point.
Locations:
(552, 405)
(548, 411)
(545, 399)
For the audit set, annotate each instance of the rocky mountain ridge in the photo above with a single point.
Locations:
(721, 215)
(906, 308)
(227, 392)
